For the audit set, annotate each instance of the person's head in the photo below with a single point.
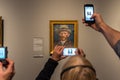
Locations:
(78, 68)
(64, 32)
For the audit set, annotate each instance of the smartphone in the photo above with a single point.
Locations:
(69, 51)
(88, 12)
(3, 53)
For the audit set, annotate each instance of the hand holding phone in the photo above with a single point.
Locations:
(88, 12)
(69, 51)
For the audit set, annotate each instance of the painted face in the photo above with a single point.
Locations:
(64, 35)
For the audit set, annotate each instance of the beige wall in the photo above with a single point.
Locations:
(25, 19)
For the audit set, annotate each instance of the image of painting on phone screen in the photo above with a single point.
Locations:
(88, 13)
(69, 51)
(2, 53)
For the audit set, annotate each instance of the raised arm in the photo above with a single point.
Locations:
(111, 35)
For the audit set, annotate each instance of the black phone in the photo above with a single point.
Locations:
(3, 53)
(88, 12)
(69, 51)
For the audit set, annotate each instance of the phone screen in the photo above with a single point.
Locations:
(89, 10)
(2, 53)
(69, 51)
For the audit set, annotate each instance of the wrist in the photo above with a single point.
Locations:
(102, 27)
(54, 58)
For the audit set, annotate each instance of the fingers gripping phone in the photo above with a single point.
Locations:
(69, 51)
(88, 12)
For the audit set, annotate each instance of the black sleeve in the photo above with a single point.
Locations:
(117, 48)
(48, 70)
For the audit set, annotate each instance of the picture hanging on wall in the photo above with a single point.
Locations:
(63, 33)
(1, 31)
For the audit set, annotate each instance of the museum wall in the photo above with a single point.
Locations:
(27, 20)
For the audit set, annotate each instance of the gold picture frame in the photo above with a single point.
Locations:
(1, 31)
(70, 26)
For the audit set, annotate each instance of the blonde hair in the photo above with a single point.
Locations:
(78, 68)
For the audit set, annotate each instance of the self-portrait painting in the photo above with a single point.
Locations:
(63, 33)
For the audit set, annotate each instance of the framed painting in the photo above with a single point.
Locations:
(1, 31)
(63, 33)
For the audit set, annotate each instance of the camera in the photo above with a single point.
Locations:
(88, 12)
(69, 51)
